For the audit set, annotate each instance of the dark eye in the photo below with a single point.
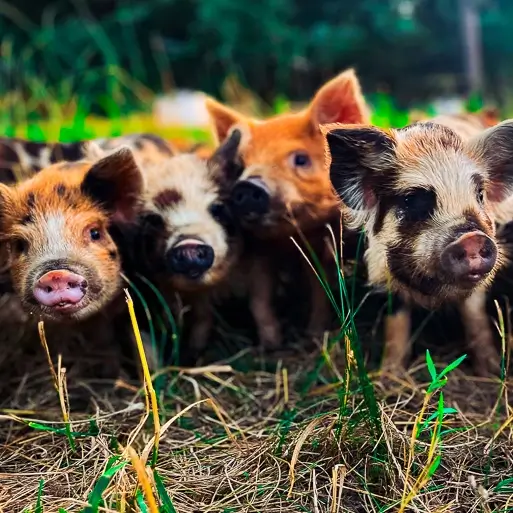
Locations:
(220, 213)
(95, 234)
(20, 245)
(417, 205)
(300, 159)
(480, 195)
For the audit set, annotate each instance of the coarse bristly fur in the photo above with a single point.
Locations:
(186, 240)
(59, 221)
(418, 191)
(285, 190)
(20, 159)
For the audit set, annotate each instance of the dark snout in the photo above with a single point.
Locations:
(190, 258)
(470, 258)
(250, 198)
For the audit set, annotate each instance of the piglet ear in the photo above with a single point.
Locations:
(356, 157)
(115, 182)
(339, 101)
(226, 164)
(495, 146)
(222, 118)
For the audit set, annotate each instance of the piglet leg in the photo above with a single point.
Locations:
(261, 298)
(397, 336)
(479, 335)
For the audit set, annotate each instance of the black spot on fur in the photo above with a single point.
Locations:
(60, 189)
(31, 200)
(404, 268)
(167, 198)
(113, 254)
(34, 148)
(8, 159)
(28, 218)
(68, 152)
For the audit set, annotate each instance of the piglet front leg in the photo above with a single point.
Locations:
(397, 336)
(261, 298)
(479, 335)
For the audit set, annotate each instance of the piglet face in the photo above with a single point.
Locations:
(285, 185)
(189, 225)
(65, 266)
(427, 200)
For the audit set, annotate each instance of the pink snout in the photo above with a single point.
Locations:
(471, 257)
(60, 289)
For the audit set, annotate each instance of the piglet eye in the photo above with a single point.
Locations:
(300, 159)
(20, 245)
(95, 234)
(220, 213)
(417, 205)
(480, 195)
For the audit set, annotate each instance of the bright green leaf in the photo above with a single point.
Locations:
(430, 365)
(452, 366)
(434, 466)
(95, 497)
(167, 503)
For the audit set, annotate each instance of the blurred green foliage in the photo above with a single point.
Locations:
(111, 53)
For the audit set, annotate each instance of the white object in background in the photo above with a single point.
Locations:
(449, 105)
(185, 108)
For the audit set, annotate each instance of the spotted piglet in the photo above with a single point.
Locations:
(187, 242)
(63, 263)
(428, 199)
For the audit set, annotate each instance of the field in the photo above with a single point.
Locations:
(310, 430)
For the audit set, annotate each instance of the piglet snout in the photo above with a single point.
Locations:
(190, 258)
(471, 257)
(60, 288)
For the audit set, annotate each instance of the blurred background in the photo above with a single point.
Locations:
(73, 69)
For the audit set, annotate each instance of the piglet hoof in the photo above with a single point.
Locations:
(487, 362)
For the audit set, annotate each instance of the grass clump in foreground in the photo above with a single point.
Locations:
(312, 434)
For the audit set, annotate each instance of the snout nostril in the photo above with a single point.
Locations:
(459, 254)
(48, 289)
(486, 252)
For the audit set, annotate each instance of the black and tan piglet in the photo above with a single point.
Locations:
(427, 199)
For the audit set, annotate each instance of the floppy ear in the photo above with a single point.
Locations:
(226, 164)
(223, 118)
(495, 146)
(339, 101)
(115, 182)
(356, 158)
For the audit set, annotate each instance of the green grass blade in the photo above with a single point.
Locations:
(39, 502)
(452, 366)
(140, 502)
(95, 497)
(167, 503)
(430, 365)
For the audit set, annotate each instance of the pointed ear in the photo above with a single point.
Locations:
(115, 182)
(339, 101)
(495, 146)
(226, 163)
(356, 158)
(223, 118)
